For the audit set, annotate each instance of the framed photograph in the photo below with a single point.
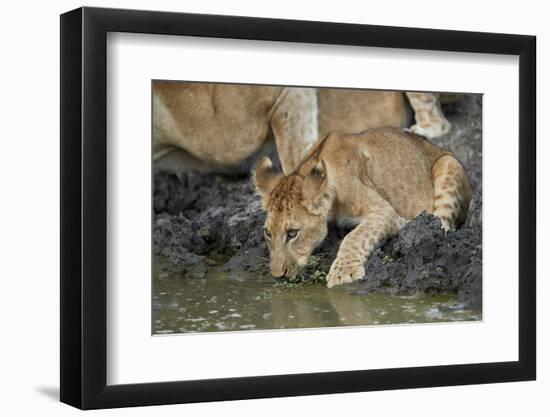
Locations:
(257, 208)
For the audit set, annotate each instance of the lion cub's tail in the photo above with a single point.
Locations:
(452, 192)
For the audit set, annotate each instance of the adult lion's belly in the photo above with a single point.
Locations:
(218, 124)
(354, 111)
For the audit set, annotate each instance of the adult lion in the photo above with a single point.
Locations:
(224, 128)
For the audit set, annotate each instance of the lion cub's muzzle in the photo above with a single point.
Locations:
(280, 266)
(279, 270)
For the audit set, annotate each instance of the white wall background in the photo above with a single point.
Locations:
(29, 209)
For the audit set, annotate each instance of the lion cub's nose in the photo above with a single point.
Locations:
(277, 271)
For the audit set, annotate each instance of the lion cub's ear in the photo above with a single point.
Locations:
(266, 178)
(316, 190)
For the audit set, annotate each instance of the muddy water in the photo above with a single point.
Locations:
(220, 303)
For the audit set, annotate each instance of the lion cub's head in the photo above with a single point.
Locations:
(297, 208)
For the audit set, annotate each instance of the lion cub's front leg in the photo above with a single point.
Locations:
(359, 243)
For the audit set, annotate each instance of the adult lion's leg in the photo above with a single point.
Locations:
(294, 125)
(430, 120)
(452, 192)
(381, 221)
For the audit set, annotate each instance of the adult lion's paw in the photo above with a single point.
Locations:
(341, 273)
(430, 131)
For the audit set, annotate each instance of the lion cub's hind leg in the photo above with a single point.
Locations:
(452, 192)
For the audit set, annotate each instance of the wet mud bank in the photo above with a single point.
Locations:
(201, 223)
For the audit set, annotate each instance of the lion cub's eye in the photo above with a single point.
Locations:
(267, 234)
(291, 234)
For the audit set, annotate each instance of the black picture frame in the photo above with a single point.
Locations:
(84, 207)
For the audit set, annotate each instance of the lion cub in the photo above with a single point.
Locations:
(376, 180)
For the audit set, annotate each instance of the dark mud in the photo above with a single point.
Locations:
(204, 222)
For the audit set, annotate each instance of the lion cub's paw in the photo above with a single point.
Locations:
(431, 131)
(341, 273)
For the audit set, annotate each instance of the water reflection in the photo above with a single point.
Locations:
(218, 303)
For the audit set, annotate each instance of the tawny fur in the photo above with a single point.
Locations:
(223, 128)
(430, 120)
(378, 180)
